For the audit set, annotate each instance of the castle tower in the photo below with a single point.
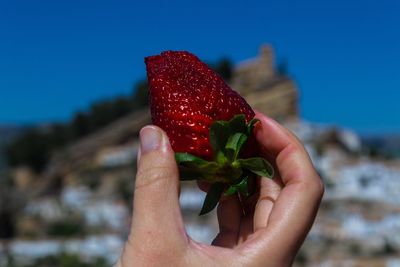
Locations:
(265, 90)
(266, 61)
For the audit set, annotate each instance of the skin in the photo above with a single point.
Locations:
(276, 221)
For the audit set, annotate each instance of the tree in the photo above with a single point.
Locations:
(31, 148)
(224, 68)
(140, 95)
(79, 126)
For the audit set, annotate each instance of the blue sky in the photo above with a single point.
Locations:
(56, 57)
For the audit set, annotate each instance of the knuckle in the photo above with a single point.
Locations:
(285, 154)
(316, 186)
(320, 187)
(154, 176)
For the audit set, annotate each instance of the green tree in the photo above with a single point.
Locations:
(79, 126)
(140, 95)
(31, 148)
(224, 68)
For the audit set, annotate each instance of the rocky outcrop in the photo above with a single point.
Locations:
(266, 90)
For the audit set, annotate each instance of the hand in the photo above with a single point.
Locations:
(269, 233)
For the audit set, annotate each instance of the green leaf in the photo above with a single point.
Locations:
(212, 198)
(222, 136)
(220, 158)
(234, 173)
(189, 158)
(192, 167)
(241, 187)
(219, 134)
(238, 124)
(250, 126)
(231, 191)
(258, 166)
(234, 145)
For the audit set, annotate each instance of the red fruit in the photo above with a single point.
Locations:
(186, 96)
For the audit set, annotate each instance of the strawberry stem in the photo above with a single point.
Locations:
(227, 173)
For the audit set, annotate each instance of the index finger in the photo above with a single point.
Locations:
(295, 208)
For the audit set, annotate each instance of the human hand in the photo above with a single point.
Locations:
(270, 231)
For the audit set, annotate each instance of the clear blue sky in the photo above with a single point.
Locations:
(56, 57)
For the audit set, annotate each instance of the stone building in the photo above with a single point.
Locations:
(264, 88)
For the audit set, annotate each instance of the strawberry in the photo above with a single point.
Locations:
(186, 96)
(208, 124)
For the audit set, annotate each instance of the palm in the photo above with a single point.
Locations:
(269, 232)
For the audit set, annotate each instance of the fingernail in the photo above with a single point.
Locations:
(151, 138)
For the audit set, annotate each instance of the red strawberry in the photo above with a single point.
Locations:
(186, 96)
(207, 123)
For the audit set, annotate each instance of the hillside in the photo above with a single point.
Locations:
(7, 134)
(386, 145)
(80, 204)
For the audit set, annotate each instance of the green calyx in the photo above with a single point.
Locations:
(227, 173)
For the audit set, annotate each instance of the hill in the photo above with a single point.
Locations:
(7, 134)
(383, 145)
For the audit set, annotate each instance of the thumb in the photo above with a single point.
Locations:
(156, 204)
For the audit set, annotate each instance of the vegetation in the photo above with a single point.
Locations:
(34, 147)
(10, 204)
(66, 227)
(224, 68)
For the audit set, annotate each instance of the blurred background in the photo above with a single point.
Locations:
(73, 97)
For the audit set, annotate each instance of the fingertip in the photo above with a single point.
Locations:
(271, 135)
(266, 122)
(152, 138)
(156, 161)
(263, 117)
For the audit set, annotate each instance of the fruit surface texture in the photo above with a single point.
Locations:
(186, 97)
